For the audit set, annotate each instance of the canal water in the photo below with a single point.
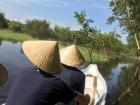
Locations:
(116, 73)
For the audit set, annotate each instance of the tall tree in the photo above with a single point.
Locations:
(86, 32)
(3, 21)
(127, 13)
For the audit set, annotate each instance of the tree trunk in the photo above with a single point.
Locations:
(137, 42)
(90, 55)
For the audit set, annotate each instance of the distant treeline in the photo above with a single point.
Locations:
(105, 43)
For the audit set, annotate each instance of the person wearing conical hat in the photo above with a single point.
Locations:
(38, 85)
(72, 76)
(72, 57)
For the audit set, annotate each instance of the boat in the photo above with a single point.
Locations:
(95, 85)
(3, 75)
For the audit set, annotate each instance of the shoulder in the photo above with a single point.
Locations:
(54, 82)
(72, 69)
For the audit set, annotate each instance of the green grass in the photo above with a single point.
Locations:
(95, 56)
(12, 36)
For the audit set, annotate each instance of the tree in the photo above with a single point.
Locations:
(62, 33)
(126, 12)
(15, 26)
(38, 28)
(3, 21)
(86, 32)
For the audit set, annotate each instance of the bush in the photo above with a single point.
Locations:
(15, 26)
(38, 28)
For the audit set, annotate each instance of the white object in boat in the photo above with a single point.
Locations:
(95, 85)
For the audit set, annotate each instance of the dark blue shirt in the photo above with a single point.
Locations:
(73, 77)
(34, 87)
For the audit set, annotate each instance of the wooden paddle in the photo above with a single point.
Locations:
(95, 89)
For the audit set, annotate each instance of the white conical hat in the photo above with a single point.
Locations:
(44, 55)
(71, 56)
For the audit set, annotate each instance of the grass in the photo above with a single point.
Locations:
(95, 56)
(12, 36)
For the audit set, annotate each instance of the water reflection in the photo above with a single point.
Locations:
(8, 40)
(114, 77)
(118, 78)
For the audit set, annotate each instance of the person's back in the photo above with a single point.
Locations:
(38, 88)
(73, 77)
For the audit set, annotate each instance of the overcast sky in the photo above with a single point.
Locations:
(60, 12)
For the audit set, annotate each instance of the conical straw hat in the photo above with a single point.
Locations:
(71, 56)
(3, 75)
(44, 55)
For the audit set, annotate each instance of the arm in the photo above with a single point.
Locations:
(82, 99)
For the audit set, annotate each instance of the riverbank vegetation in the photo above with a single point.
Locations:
(95, 45)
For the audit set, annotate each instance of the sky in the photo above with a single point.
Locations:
(61, 12)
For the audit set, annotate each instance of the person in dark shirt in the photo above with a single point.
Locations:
(73, 77)
(37, 85)
(71, 57)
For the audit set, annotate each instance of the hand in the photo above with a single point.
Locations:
(82, 99)
(86, 99)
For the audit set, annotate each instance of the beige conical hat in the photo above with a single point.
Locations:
(71, 56)
(44, 55)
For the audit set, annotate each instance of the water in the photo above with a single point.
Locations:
(116, 73)
(12, 57)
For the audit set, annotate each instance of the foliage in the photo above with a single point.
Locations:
(15, 26)
(92, 39)
(126, 12)
(38, 28)
(62, 33)
(86, 31)
(3, 21)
